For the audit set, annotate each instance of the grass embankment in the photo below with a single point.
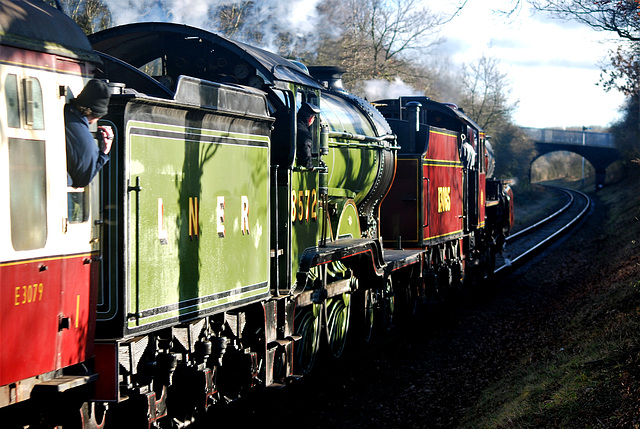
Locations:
(585, 370)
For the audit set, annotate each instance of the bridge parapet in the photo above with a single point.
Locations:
(548, 135)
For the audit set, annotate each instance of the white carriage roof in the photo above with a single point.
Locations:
(34, 25)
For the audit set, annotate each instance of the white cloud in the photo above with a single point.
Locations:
(552, 64)
(561, 97)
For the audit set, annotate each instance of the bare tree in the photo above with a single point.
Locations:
(485, 98)
(231, 17)
(486, 93)
(380, 39)
(624, 74)
(618, 16)
(514, 154)
(90, 15)
(627, 136)
(245, 20)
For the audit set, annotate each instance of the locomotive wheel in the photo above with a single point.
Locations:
(67, 413)
(487, 267)
(413, 300)
(187, 397)
(338, 312)
(491, 263)
(367, 313)
(93, 415)
(369, 304)
(388, 303)
(308, 325)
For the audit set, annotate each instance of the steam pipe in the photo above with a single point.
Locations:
(324, 140)
(360, 137)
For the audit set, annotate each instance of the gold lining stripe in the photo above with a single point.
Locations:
(441, 163)
(443, 235)
(52, 258)
(444, 133)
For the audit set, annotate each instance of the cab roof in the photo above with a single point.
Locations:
(201, 53)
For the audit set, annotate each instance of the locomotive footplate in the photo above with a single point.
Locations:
(336, 251)
(397, 259)
(63, 383)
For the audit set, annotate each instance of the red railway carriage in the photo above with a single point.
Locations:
(47, 264)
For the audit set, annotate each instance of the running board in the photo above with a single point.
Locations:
(63, 383)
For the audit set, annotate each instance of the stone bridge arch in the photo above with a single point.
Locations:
(597, 148)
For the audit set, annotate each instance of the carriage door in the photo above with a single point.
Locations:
(78, 268)
(30, 282)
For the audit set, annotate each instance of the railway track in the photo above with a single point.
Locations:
(334, 387)
(526, 243)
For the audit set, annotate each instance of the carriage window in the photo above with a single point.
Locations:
(27, 186)
(34, 110)
(11, 95)
(78, 205)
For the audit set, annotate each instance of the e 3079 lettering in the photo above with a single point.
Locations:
(28, 294)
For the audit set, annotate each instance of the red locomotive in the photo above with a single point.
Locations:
(441, 199)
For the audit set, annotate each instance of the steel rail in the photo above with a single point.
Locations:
(549, 239)
(546, 220)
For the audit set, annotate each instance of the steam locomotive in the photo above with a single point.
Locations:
(204, 260)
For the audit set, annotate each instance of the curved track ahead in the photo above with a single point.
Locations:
(530, 241)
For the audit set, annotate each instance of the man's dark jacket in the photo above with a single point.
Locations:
(84, 158)
(303, 146)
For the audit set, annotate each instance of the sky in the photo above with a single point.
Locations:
(553, 65)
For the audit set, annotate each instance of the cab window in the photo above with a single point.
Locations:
(78, 205)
